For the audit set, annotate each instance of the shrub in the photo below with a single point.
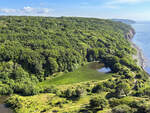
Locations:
(143, 92)
(147, 91)
(122, 109)
(27, 89)
(49, 89)
(98, 102)
(98, 88)
(115, 101)
(73, 93)
(122, 89)
(5, 90)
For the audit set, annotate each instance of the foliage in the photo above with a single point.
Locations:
(123, 89)
(73, 93)
(122, 109)
(38, 47)
(98, 102)
(33, 49)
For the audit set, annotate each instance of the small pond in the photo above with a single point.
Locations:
(104, 70)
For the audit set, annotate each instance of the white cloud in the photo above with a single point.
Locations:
(30, 11)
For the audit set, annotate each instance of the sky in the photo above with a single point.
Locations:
(126, 9)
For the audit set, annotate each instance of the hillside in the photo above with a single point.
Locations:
(35, 51)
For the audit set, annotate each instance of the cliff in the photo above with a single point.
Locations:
(139, 55)
(130, 34)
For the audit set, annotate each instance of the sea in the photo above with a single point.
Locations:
(142, 40)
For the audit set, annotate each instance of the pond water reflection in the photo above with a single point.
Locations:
(104, 70)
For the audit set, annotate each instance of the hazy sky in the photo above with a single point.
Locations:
(131, 9)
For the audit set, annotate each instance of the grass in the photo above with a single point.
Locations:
(86, 73)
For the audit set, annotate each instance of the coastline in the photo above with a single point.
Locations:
(141, 60)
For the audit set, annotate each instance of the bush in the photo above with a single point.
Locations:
(141, 106)
(27, 89)
(115, 101)
(146, 92)
(122, 109)
(5, 90)
(49, 89)
(73, 93)
(98, 102)
(122, 90)
(143, 92)
(98, 88)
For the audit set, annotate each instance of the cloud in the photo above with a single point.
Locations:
(28, 11)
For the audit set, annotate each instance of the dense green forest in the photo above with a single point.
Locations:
(35, 48)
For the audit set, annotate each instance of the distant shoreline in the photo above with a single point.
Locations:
(141, 60)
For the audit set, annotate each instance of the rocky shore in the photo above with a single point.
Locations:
(141, 61)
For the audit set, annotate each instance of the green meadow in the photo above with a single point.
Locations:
(88, 72)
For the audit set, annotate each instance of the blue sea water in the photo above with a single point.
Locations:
(142, 40)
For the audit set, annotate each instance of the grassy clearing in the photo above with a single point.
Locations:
(86, 73)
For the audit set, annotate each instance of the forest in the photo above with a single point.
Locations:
(35, 48)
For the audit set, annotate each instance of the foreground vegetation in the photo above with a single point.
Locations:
(43, 66)
(96, 97)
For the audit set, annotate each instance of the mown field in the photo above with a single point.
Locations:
(88, 72)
